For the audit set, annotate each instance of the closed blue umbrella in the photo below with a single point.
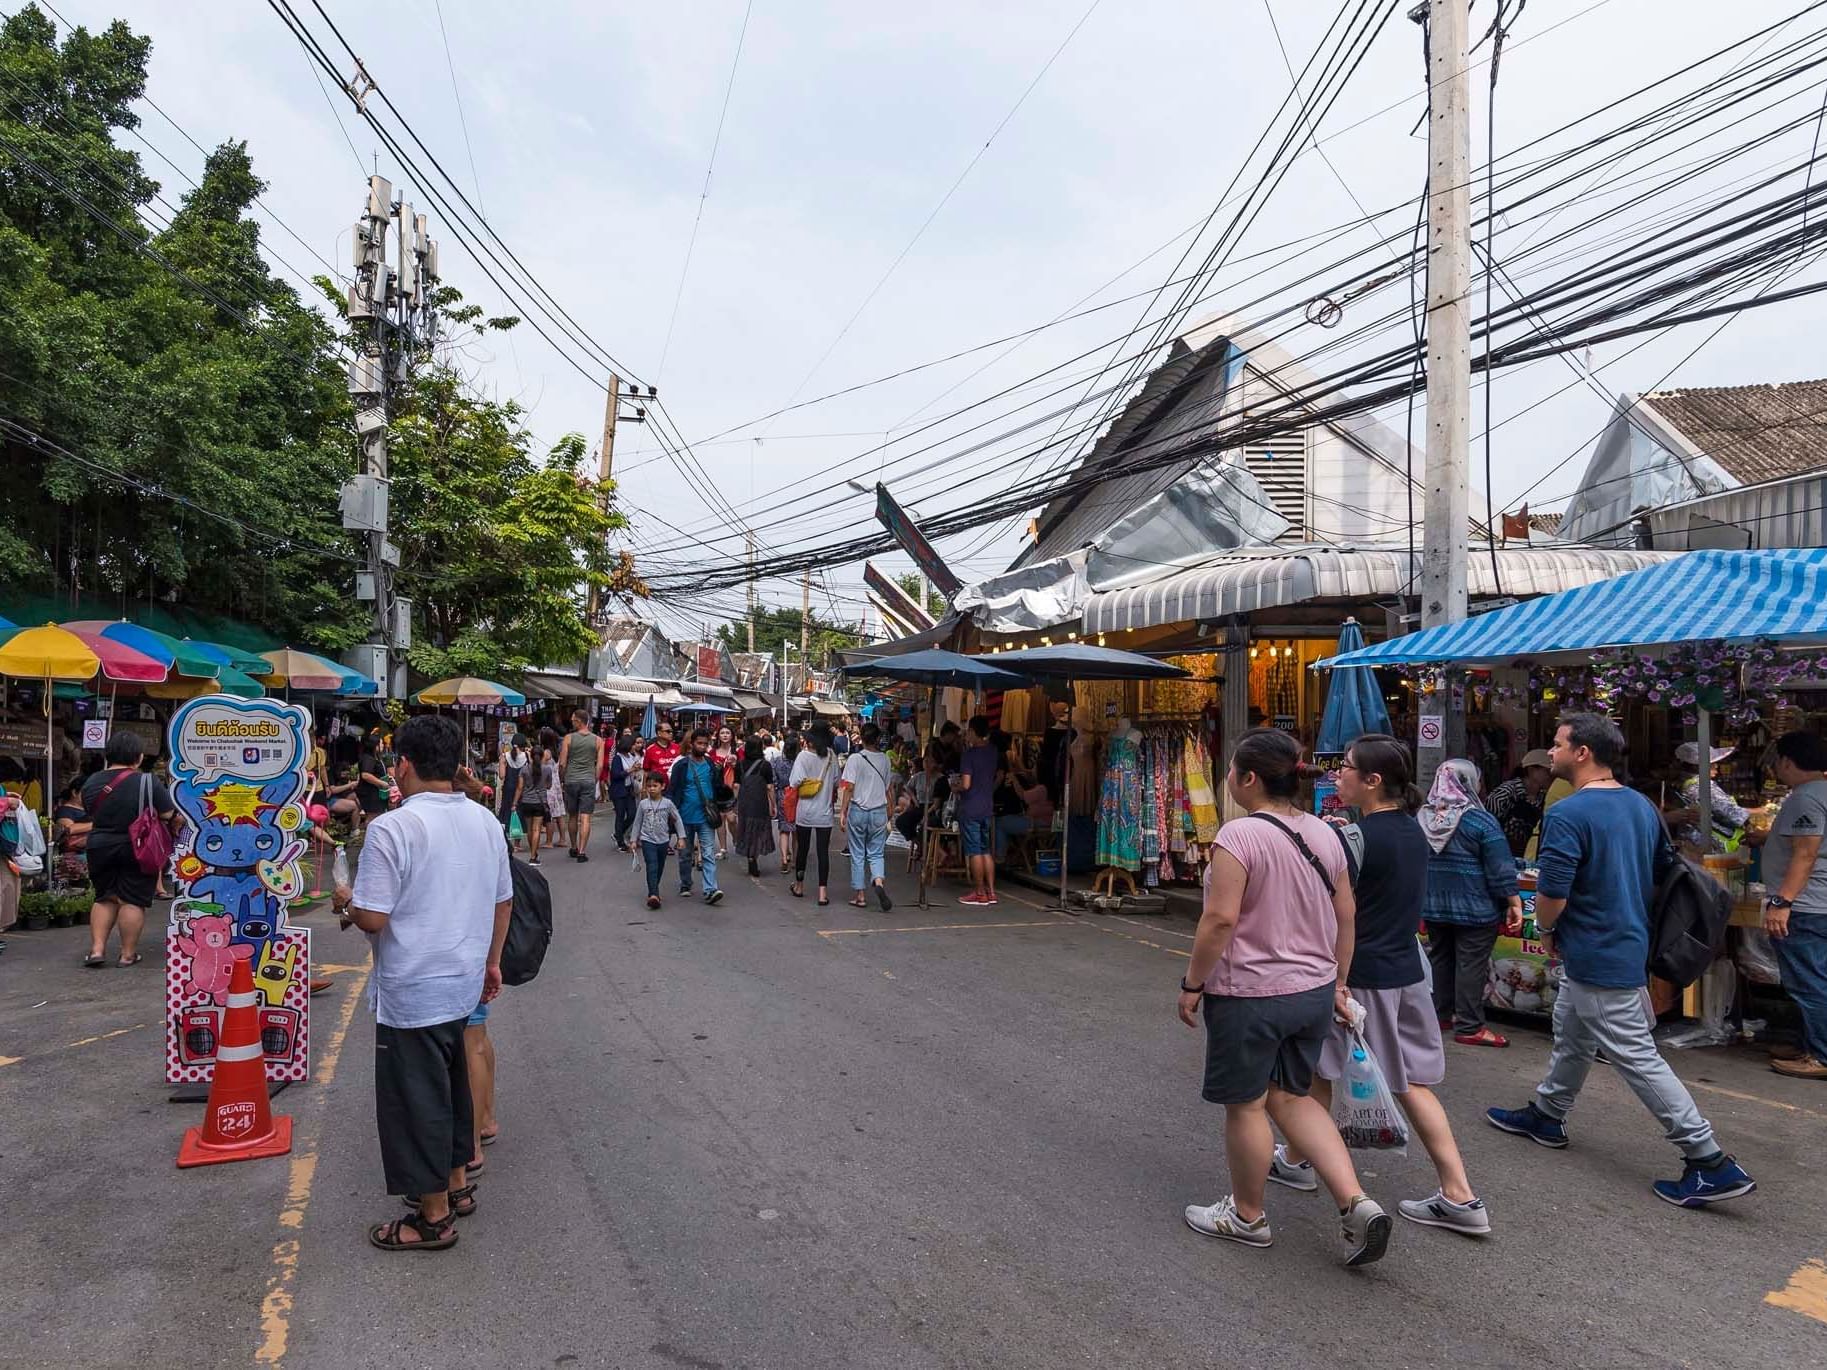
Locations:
(1354, 700)
(649, 723)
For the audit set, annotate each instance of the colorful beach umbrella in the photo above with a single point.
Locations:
(469, 690)
(248, 663)
(119, 661)
(226, 681)
(47, 654)
(288, 668)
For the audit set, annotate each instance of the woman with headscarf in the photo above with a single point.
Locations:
(1471, 894)
(755, 801)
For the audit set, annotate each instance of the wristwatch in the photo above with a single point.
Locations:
(1191, 989)
(1778, 902)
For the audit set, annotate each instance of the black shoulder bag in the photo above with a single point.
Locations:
(1305, 850)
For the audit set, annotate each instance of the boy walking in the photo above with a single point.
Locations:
(1603, 852)
(656, 820)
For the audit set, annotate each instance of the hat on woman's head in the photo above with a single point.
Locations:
(1688, 753)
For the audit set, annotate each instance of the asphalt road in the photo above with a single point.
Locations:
(775, 1135)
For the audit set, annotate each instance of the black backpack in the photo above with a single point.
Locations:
(1688, 915)
(529, 926)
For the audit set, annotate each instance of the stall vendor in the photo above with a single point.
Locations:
(1730, 819)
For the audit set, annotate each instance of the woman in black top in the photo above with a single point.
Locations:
(371, 780)
(1387, 856)
(114, 796)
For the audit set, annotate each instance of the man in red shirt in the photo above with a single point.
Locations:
(661, 753)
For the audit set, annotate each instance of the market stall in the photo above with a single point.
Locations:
(1725, 644)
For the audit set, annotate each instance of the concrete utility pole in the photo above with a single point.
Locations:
(392, 305)
(805, 615)
(749, 540)
(605, 472)
(1449, 377)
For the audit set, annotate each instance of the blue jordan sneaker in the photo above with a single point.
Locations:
(1529, 1121)
(1703, 1185)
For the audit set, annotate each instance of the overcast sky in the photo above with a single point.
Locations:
(590, 126)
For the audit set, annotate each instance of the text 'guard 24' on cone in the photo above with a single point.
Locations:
(238, 1123)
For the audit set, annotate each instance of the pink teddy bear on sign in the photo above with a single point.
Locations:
(212, 961)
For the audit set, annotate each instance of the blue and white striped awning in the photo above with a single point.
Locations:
(1733, 596)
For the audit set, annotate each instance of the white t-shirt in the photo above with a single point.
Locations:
(815, 810)
(867, 774)
(436, 866)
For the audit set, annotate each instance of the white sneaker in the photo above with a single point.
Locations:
(1367, 1227)
(1284, 1171)
(1473, 1219)
(1221, 1220)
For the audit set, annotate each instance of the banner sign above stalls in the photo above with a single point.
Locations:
(896, 601)
(238, 777)
(906, 532)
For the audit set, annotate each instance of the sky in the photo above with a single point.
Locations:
(891, 185)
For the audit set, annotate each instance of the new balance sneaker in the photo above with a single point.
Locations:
(1284, 1171)
(1529, 1121)
(713, 897)
(1703, 1185)
(1221, 1220)
(1366, 1227)
(1439, 1211)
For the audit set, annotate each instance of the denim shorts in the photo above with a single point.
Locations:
(976, 835)
(477, 1017)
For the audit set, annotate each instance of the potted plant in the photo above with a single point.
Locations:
(74, 908)
(35, 910)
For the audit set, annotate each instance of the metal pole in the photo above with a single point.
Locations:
(805, 616)
(926, 807)
(1065, 812)
(1449, 380)
(1703, 744)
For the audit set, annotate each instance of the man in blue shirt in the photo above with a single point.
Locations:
(1603, 851)
(692, 788)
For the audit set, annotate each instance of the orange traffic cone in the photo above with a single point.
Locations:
(238, 1124)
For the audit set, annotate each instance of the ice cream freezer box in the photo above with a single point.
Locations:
(1525, 977)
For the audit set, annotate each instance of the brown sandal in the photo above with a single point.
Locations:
(462, 1201)
(432, 1236)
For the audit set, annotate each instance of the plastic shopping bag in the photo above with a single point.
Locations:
(1362, 1105)
(515, 832)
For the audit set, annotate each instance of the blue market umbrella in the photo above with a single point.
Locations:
(935, 666)
(700, 707)
(1354, 701)
(650, 725)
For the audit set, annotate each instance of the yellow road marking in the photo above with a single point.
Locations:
(1098, 926)
(80, 1042)
(1755, 1099)
(1806, 1292)
(938, 927)
(276, 1307)
(1137, 923)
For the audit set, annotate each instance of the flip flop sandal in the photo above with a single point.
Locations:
(95, 962)
(473, 1169)
(138, 956)
(490, 1138)
(823, 902)
(1484, 1037)
(859, 903)
(797, 890)
(462, 1201)
(881, 897)
(432, 1236)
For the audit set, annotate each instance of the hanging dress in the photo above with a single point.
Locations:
(1119, 810)
(1199, 791)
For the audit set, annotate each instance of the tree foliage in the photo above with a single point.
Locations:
(202, 411)
(776, 626)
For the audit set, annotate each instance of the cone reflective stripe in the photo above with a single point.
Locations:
(238, 1123)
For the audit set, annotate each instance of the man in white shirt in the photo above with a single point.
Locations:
(434, 891)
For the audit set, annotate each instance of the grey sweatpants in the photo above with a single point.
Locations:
(1617, 1022)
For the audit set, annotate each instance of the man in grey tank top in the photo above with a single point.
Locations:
(578, 756)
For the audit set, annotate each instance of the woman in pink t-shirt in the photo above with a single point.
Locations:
(1268, 974)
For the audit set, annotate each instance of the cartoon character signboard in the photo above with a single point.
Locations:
(238, 777)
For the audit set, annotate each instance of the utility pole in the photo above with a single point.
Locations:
(605, 461)
(749, 540)
(805, 615)
(1449, 377)
(392, 306)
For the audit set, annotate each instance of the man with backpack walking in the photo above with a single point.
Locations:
(1603, 854)
(434, 891)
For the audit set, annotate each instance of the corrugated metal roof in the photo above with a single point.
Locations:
(1270, 578)
(1778, 513)
(1755, 432)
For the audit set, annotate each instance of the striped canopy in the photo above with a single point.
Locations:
(1733, 596)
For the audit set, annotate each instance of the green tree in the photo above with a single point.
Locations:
(775, 626)
(202, 419)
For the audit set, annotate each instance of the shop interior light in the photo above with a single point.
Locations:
(1100, 639)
